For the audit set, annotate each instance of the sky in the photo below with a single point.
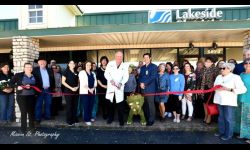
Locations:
(12, 10)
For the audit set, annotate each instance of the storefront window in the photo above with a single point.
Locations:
(92, 56)
(109, 53)
(163, 55)
(213, 51)
(235, 53)
(187, 51)
(218, 52)
(133, 56)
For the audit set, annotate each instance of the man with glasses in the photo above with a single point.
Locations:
(117, 75)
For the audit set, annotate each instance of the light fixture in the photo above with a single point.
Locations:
(191, 45)
(214, 45)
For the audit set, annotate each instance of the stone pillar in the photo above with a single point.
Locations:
(25, 49)
(246, 45)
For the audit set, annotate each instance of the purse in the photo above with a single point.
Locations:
(212, 109)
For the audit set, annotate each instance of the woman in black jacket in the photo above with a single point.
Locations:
(26, 96)
(7, 101)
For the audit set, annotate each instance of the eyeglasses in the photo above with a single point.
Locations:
(175, 68)
(222, 68)
(247, 63)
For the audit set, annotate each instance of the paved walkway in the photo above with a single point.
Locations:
(168, 132)
(10, 135)
(168, 125)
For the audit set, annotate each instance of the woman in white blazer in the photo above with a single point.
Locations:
(88, 85)
(117, 75)
(226, 98)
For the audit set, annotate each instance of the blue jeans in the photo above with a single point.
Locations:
(79, 108)
(95, 108)
(88, 103)
(7, 107)
(225, 121)
(39, 105)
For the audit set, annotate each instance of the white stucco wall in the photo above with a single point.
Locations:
(60, 16)
(54, 16)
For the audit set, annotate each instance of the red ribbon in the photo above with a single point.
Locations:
(149, 94)
(187, 92)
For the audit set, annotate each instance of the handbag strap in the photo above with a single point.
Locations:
(209, 98)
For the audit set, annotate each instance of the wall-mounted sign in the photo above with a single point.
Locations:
(160, 16)
(207, 14)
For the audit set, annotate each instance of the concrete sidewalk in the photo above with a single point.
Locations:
(100, 123)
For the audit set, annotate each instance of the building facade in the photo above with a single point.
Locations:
(64, 32)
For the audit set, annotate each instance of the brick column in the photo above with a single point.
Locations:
(25, 49)
(246, 45)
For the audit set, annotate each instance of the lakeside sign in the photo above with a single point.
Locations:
(198, 15)
(160, 16)
(165, 16)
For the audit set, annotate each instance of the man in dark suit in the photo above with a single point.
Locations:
(239, 68)
(147, 80)
(46, 82)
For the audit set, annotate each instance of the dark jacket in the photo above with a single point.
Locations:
(4, 77)
(39, 82)
(148, 76)
(190, 82)
(17, 81)
(239, 68)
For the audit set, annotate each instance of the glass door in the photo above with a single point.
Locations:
(192, 55)
(192, 59)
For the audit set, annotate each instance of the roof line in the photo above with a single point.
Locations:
(79, 9)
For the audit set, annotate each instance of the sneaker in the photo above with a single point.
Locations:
(178, 120)
(182, 117)
(166, 114)
(174, 120)
(70, 125)
(225, 138)
(92, 120)
(169, 115)
(129, 123)
(77, 123)
(88, 123)
(189, 119)
(217, 135)
(238, 137)
(247, 141)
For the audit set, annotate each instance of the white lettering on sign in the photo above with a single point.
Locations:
(198, 15)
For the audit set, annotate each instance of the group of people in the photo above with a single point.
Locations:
(84, 85)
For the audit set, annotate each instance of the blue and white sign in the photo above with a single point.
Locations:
(160, 16)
